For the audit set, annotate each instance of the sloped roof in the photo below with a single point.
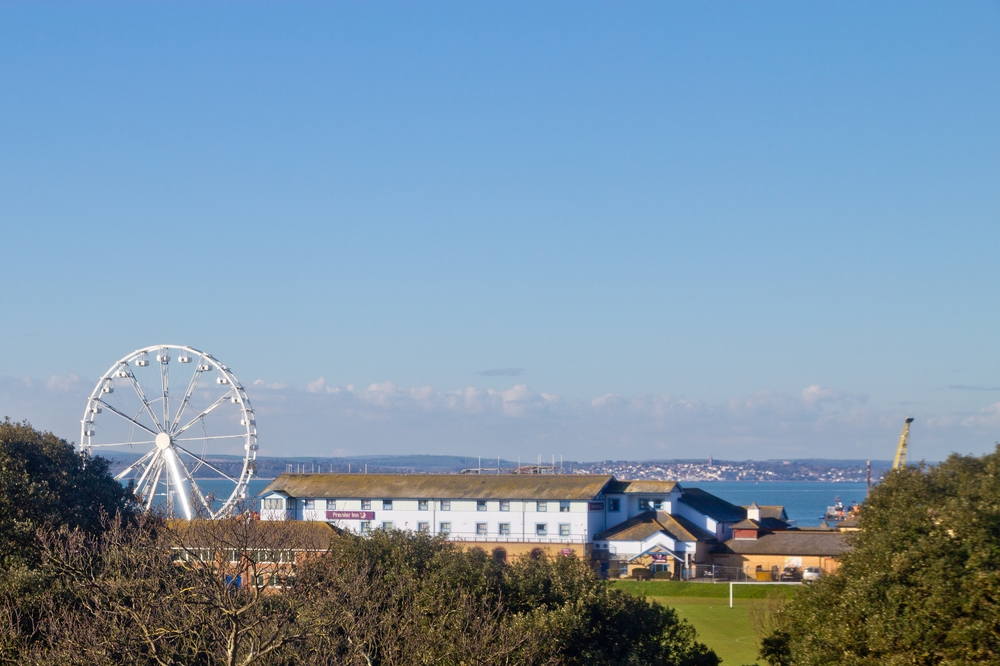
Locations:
(441, 486)
(747, 524)
(789, 542)
(641, 486)
(762, 524)
(852, 523)
(647, 523)
(712, 506)
(771, 511)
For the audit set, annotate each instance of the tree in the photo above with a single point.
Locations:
(44, 481)
(922, 583)
(153, 592)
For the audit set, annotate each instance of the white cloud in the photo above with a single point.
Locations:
(62, 383)
(318, 386)
(383, 417)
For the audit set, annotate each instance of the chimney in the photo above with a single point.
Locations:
(753, 512)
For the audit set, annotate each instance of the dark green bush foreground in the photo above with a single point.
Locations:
(922, 585)
(112, 592)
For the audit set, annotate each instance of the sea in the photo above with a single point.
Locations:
(804, 501)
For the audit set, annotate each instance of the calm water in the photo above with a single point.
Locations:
(805, 501)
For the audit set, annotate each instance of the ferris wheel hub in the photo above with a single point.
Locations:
(163, 441)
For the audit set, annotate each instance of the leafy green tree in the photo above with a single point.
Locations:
(922, 583)
(45, 482)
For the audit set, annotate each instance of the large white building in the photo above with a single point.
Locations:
(620, 523)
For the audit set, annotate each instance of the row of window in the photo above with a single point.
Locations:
(278, 556)
(482, 529)
(614, 505)
(423, 505)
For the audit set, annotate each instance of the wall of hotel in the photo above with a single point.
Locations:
(707, 523)
(749, 563)
(569, 521)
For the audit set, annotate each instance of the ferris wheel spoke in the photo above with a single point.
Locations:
(205, 463)
(165, 389)
(142, 396)
(153, 462)
(204, 413)
(198, 439)
(154, 484)
(126, 417)
(128, 470)
(190, 391)
(104, 446)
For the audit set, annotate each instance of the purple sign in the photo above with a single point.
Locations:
(596, 506)
(658, 557)
(350, 515)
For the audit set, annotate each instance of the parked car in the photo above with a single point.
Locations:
(789, 574)
(811, 575)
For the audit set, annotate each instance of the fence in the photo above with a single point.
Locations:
(713, 572)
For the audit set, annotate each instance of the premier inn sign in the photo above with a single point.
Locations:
(350, 515)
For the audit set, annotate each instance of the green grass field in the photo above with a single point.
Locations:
(706, 606)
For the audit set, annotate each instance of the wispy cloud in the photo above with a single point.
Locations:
(960, 387)
(383, 417)
(501, 372)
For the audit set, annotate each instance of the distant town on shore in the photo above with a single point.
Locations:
(811, 469)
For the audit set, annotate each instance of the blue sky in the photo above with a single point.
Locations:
(752, 230)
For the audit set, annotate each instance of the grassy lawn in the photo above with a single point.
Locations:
(671, 588)
(706, 606)
(726, 630)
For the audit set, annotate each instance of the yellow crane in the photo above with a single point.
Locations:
(904, 439)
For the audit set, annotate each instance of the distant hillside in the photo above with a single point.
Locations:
(809, 469)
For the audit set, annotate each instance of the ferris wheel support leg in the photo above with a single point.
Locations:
(178, 481)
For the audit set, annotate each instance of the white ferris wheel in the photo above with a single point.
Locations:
(182, 426)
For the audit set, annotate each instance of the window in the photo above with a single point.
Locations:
(424, 528)
(308, 504)
(564, 529)
(260, 580)
(505, 505)
(445, 528)
(480, 529)
(504, 529)
(366, 526)
(277, 556)
(647, 504)
(446, 506)
(613, 505)
(563, 507)
(542, 506)
(387, 525)
(422, 505)
(366, 505)
(541, 529)
(271, 503)
(387, 505)
(657, 504)
(644, 505)
(481, 505)
(234, 557)
(331, 505)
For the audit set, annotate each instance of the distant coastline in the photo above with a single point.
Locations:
(683, 470)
